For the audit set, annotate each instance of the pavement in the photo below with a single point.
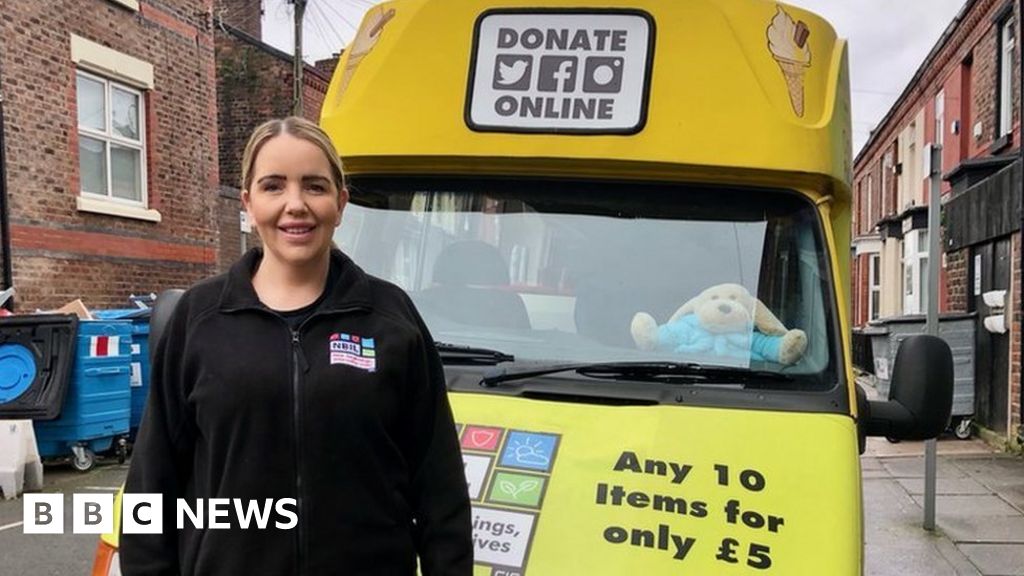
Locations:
(65, 554)
(979, 510)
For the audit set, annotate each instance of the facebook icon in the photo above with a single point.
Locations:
(557, 74)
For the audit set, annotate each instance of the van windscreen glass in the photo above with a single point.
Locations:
(571, 272)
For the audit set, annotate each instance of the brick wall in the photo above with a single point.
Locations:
(59, 252)
(957, 285)
(983, 89)
(244, 15)
(983, 93)
(858, 205)
(854, 291)
(867, 214)
(892, 179)
(314, 90)
(952, 149)
(253, 86)
(328, 65)
(876, 198)
(231, 244)
(101, 282)
(859, 290)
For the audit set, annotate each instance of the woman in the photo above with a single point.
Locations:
(296, 375)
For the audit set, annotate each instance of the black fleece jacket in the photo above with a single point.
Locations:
(359, 433)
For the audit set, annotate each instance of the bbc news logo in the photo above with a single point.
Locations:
(144, 514)
(601, 74)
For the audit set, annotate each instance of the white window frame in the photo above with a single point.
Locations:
(1006, 88)
(915, 282)
(874, 285)
(109, 137)
(940, 117)
(128, 72)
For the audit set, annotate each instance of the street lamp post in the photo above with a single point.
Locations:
(297, 65)
(932, 323)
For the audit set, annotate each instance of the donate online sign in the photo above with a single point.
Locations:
(550, 71)
(567, 488)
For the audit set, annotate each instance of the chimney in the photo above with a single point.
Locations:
(328, 65)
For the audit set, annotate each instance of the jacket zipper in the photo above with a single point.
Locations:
(299, 366)
(296, 375)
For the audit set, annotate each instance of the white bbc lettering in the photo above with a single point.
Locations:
(246, 514)
(92, 513)
(219, 509)
(293, 518)
(195, 516)
(43, 514)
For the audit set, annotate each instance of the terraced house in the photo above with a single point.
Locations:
(965, 97)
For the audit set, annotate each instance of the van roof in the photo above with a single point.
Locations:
(754, 86)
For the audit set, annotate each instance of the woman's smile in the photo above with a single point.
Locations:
(299, 233)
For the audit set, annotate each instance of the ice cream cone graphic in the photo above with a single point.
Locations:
(787, 41)
(794, 72)
(374, 21)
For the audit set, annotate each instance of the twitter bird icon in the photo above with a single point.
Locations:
(512, 72)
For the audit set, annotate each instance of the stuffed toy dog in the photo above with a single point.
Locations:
(724, 320)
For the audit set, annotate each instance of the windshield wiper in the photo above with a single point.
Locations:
(459, 354)
(667, 372)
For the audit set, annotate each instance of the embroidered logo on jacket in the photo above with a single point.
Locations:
(353, 350)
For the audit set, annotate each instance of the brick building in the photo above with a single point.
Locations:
(122, 125)
(254, 83)
(964, 97)
(109, 126)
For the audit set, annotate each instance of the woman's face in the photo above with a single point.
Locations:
(292, 200)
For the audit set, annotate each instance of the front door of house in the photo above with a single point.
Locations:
(990, 270)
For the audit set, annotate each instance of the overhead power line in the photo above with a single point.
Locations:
(340, 13)
(326, 21)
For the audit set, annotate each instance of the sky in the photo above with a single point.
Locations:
(887, 44)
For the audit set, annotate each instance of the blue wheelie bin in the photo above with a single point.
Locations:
(36, 358)
(97, 408)
(140, 364)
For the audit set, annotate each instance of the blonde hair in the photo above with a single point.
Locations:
(299, 128)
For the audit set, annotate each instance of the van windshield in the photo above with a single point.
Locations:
(562, 272)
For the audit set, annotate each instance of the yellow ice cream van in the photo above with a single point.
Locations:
(627, 225)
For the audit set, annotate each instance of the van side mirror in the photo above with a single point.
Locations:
(920, 396)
